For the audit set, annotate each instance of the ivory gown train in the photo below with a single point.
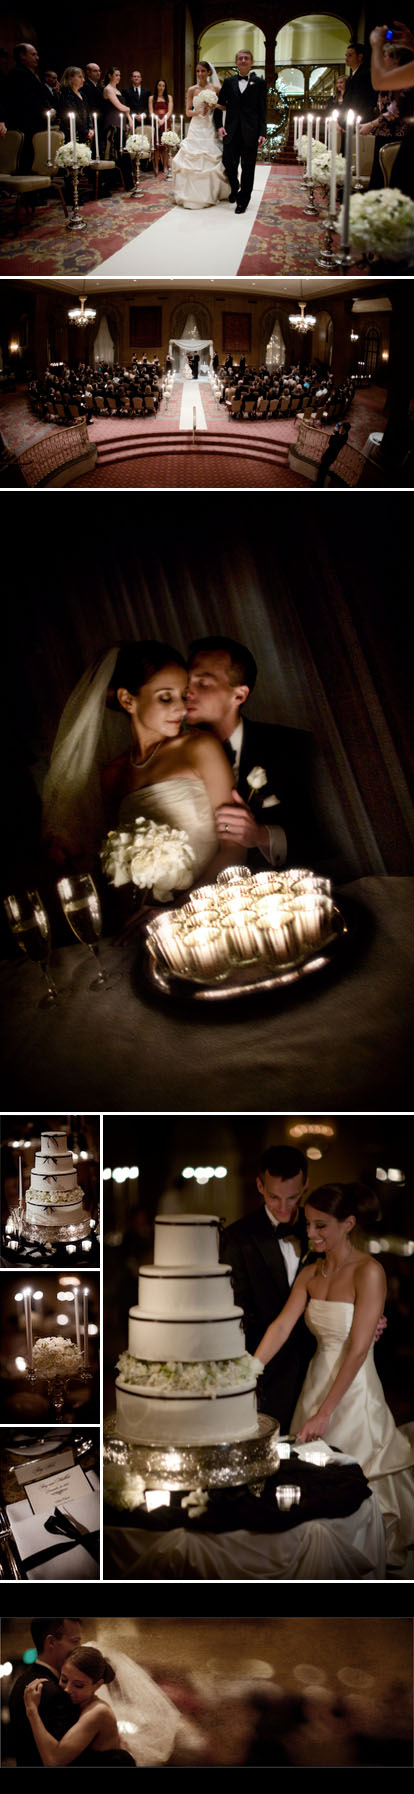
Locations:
(198, 176)
(362, 1424)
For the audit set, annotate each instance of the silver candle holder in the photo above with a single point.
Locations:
(75, 220)
(327, 257)
(311, 210)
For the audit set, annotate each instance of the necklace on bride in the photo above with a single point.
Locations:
(344, 1261)
(147, 757)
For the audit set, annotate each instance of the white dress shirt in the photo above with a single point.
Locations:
(290, 1249)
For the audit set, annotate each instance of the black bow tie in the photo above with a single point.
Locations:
(288, 1231)
(230, 752)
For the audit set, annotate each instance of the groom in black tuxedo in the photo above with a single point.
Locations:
(53, 1639)
(273, 821)
(265, 1250)
(244, 97)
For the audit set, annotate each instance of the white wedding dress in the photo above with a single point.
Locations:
(362, 1424)
(198, 176)
(183, 803)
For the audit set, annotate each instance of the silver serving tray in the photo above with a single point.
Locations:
(240, 981)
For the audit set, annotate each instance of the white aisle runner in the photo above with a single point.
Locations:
(210, 242)
(192, 401)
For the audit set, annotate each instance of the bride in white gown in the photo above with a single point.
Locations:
(342, 1297)
(198, 175)
(162, 774)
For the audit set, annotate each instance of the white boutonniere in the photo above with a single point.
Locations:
(257, 778)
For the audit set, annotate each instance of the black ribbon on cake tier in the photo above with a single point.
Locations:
(60, 1523)
(331, 1493)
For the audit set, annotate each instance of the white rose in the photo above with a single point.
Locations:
(257, 777)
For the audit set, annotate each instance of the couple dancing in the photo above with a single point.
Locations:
(72, 1705)
(311, 1264)
(121, 753)
(205, 169)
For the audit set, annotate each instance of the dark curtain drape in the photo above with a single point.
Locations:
(325, 611)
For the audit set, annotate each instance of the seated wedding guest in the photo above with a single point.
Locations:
(27, 101)
(393, 81)
(265, 1249)
(160, 109)
(71, 99)
(278, 823)
(53, 1639)
(113, 106)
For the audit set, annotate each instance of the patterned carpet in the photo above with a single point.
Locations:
(191, 468)
(282, 239)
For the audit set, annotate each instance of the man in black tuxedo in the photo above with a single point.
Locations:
(244, 98)
(27, 101)
(265, 1250)
(273, 818)
(136, 96)
(92, 90)
(54, 1639)
(194, 365)
(359, 93)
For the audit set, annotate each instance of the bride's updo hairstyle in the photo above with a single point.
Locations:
(92, 1664)
(137, 663)
(342, 1200)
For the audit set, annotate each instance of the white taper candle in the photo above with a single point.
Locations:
(27, 1297)
(85, 1328)
(348, 178)
(77, 1294)
(309, 156)
(333, 138)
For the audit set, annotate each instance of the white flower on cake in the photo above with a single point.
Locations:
(138, 146)
(155, 857)
(55, 1198)
(200, 1378)
(196, 1501)
(56, 1357)
(65, 156)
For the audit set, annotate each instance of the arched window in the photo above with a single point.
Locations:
(275, 348)
(372, 347)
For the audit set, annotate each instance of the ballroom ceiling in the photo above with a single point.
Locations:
(291, 288)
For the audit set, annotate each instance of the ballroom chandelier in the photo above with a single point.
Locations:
(299, 321)
(83, 316)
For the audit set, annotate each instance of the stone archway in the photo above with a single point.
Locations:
(219, 44)
(315, 43)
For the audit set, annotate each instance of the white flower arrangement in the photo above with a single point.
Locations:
(196, 1501)
(65, 157)
(175, 1378)
(155, 857)
(56, 1357)
(321, 161)
(138, 146)
(206, 97)
(54, 1198)
(170, 139)
(382, 224)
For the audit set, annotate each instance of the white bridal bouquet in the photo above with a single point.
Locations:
(206, 97)
(65, 155)
(138, 146)
(153, 856)
(170, 139)
(382, 224)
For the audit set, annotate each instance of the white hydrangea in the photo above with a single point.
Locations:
(173, 1378)
(381, 223)
(56, 1357)
(65, 156)
(138, 146)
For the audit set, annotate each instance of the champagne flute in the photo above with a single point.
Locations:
(29, 923)
(81, 906)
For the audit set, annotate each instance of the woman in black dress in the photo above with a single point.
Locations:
(71, 99)
(94, 1736)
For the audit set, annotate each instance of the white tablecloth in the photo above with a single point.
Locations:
(344, 1550)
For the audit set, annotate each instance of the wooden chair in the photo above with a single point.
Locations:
(249, 408)
(150, 405)
(137, 405)
(25, 186)
(284, 404)
(41, 165)
(74, 411)
(387, 157)
(274, 407)
(233, 407)
(112, 403)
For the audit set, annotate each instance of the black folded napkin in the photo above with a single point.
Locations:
(330, 1493)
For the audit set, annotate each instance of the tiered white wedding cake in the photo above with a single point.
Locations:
(186, 1378)
(54, 1198)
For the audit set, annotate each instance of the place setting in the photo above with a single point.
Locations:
(49, 1514)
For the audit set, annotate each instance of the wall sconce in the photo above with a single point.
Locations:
(14, 347)
(385, 355)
